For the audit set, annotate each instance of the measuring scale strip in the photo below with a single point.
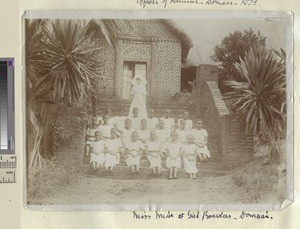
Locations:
(7, 177)
(8, 162)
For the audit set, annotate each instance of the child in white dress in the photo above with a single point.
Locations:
(152, 121)
(134, 150)
(200, 139)
(162, 133)
(112, 150)
(97, 151)
(135, 120)
(188, 122)
(143, 131)
(182, 132)
(90, 134)
(169, 122)
(106, 127)
(126, 132)
(119, 120)
(153, 152)
(108, 113)
(189, 152)
(173, 151)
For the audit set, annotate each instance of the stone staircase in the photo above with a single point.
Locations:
(72, 152)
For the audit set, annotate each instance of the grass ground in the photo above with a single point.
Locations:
(250, 183)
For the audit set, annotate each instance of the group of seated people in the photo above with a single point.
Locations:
(108, 139)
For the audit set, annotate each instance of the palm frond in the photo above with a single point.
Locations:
(260, 97)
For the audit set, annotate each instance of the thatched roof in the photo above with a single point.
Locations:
(181, 35)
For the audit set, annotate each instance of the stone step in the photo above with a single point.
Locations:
(148, 102)
(115, 107)
(150, 106)
(124, 172)
(144, 163)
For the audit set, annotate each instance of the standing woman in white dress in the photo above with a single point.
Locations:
(138, 91)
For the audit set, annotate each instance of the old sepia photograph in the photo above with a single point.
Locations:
(157, 111)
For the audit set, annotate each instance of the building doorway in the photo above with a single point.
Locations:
(188, 79)
(130, 70)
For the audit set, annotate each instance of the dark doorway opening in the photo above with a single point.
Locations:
(188, 79)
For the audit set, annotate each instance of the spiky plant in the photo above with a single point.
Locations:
(261, 93)
(67, 59)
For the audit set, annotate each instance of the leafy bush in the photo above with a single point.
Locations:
(52, 176)
(260, 182)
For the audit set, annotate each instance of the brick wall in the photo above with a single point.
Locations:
(106, 70)
(206, 72)
(167, 74)
(241, 144)
(214, 113)
(227, 139)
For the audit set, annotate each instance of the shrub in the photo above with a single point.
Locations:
(260, 182)
(52, 176)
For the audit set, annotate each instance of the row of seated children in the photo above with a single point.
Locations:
(152, 121)
(113, 140)
(163, 127)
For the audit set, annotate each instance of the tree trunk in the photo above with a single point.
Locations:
(47, 118)
(40, 119)
(35, 159)
(274, 153)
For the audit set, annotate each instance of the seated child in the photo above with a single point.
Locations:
(162, 133)
(173, 151)
(182, 132)
(169, 122)
(134, 150)
(97, 115)
(189, 122)
(135, 120)
(106, 127)
(97, 151)
(126, 131)
(200, 139)
(108, 113)
(152, 121)
(189, 152)
(153, 152)
(119, 120)
(112, 150)
(90, 134)
(143, 131)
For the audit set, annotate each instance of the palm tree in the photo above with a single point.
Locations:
(60, 63)
(260, 96)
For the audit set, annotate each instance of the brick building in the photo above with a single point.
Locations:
(153, 48)
(159, 50)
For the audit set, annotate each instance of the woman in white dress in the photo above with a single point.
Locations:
(138, 91)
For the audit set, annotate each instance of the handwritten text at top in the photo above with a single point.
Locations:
(166, 3)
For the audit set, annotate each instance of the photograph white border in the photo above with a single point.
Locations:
(71, 14)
